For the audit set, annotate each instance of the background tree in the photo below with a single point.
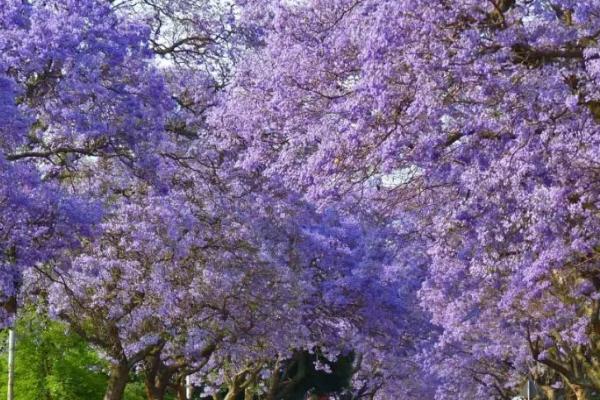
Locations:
(54, 363)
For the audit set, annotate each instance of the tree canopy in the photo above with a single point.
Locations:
(401, 195)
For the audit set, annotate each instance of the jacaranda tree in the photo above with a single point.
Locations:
(480, 119)
(218, 189)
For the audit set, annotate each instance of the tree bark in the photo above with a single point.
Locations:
(155, 392)
(581, 393)
(233, 392)
(157, 381)
(179, 388)
(117, 380)
(181, 394)
(549, 392)
(274, 384)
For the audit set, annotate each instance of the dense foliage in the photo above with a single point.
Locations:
(53, 363)
(230, 190)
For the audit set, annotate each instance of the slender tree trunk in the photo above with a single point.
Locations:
(119, 376)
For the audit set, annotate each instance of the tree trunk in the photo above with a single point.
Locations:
(157, 376)
(549, 392)
(179, 388)
(581, 393)
(232, 394)
(234, 387)
(156, 381)
(155, 392)
(181, 394)
(274, 384)
(157, 384)
(117, 380)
